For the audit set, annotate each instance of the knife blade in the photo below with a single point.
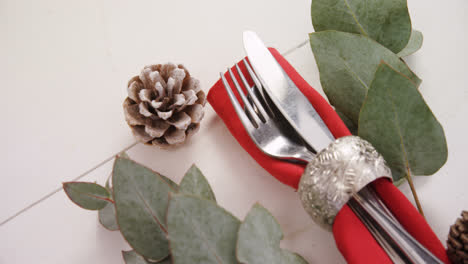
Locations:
(290, 101)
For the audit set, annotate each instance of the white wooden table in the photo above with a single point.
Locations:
(64, 67)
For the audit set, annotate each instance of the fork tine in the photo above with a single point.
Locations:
(263, 115)
(259, 89)
(237, 107)
(248, 107)
(253, 76)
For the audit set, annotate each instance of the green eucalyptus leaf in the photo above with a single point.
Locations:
(107, 217)
(259, 240)
(347, 63)
(195, 183)
(124, 155)
(399, 182)
(164, 261)
(386, 21)
(174, 185)
(141, 197)
(414, 44)
(108, 184)
(200, 231)
(87, 195)
(348, 122)
(397, 121)
(131, 257)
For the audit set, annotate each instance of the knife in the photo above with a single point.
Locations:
(292, 104)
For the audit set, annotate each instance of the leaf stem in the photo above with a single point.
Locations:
(413, 190)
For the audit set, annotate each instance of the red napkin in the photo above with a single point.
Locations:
(352, 238)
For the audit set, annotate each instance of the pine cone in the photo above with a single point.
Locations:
(457, 242)
(164, 105)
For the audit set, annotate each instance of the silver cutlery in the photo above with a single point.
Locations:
(276, 138)
(284, 94)
(268, 134)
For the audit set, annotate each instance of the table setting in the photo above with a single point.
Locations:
(306, 154)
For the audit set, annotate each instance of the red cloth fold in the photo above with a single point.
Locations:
(352, 238)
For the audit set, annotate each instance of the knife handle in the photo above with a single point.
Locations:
(408, 248)
(378, 234)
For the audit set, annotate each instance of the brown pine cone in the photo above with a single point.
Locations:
(457, 242)
(164, 105)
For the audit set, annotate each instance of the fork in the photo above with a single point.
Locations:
(274, 137)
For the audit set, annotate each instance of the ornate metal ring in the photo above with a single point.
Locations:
(338, 172)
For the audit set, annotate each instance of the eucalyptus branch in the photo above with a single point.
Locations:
(413, 190)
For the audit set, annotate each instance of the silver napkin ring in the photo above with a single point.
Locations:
(338, 172)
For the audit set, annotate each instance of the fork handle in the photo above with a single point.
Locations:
(377, 233)
(409, 249)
